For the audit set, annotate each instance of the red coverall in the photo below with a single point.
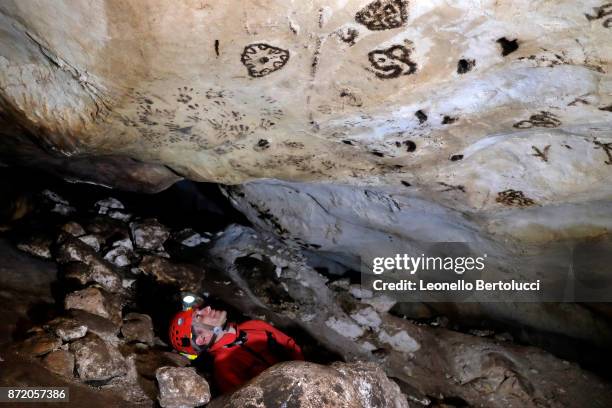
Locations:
(240, 356)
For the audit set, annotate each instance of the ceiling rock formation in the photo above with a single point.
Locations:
(482, 105)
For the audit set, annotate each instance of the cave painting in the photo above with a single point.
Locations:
(383, 14)
(514, 198)
(263, 59)
(202, 117)
(542, 119)
(601, 12)
(392, 62)
(607, 147)
(542, 154)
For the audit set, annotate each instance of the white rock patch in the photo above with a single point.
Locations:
(345, 328)
(400, 341)
(367, 317)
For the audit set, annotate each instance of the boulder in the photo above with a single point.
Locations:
(97, 360)
(37, 245)
(150, 359)
(112, 208)
(191, 238)
(93, 241)
(100, 326)
(149, 234)
(95, 300)
(138, 327)
(109, 229)
(187, 276)
(74, 250)
(121, 253)
(96, 271)
(181, 387)
(60, 362)
(309, 385)
(73, 228)
(58, 204)
(40, 344)
(67, 329)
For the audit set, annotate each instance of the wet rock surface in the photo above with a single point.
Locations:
(309, 385)
(181, 387)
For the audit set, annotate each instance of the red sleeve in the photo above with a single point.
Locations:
(287, 342)
(226, 376)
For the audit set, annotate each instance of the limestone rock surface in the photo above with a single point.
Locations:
(181, 387)
(97, 360)
(427, 360)
(96, 301)
(309, 385)
(67, 329)
(490, 110)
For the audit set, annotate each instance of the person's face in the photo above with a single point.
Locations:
(203, 322)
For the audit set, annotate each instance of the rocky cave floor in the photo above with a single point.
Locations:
(89, 278)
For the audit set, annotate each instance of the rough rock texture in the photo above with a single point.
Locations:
(73, 228)
(181, 387)
(100, 326)
(96, 272)
(137, 327)
(320, 91)
(21, 371)
(60, 362)
(187, 277)
(36, 245)
(96, 301)
(39, 344)
(67, 329)
(308, 385)
(428, 361)
(97, 360)
(121, 254)
(149, 234)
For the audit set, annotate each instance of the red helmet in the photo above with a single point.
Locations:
(180, 332)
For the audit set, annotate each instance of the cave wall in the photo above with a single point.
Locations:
(481, 104)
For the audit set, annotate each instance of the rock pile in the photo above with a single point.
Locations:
(94, 342)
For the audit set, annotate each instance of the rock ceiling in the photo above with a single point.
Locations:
(486, 108)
